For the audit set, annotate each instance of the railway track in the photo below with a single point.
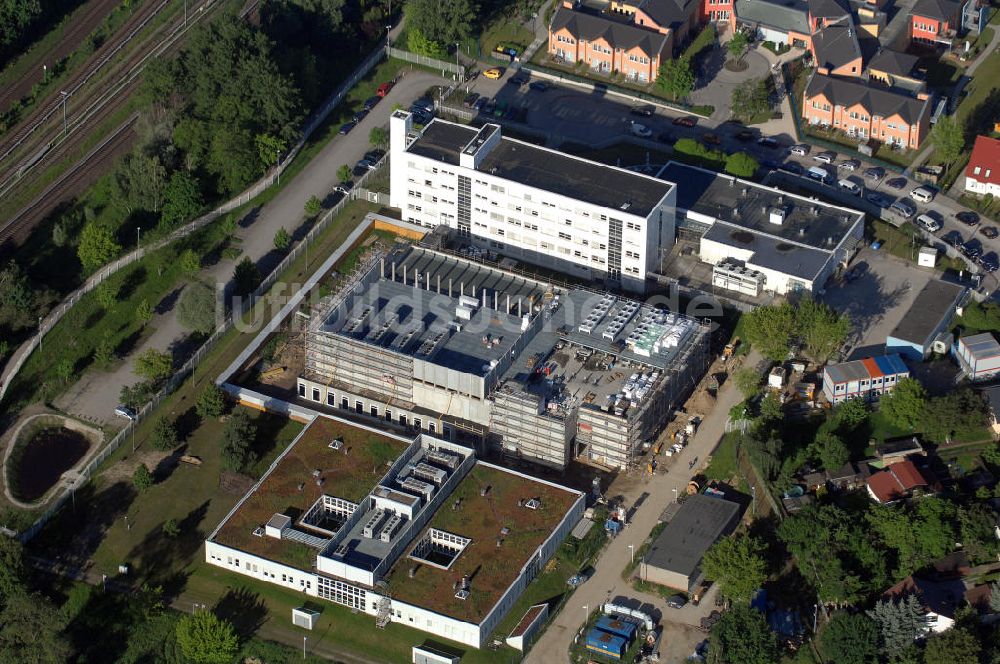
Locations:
(53, 144)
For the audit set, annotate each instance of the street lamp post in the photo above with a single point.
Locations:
(40, 335)
(586, 614)
(675, 493)
(137, 238)
(631, 551)
(304, 638)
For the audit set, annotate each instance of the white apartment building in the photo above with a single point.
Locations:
(596, 222)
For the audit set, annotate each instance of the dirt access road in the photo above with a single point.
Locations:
(606, 582)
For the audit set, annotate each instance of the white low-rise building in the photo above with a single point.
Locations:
(783, 242)
(592, 221)
(417, 532)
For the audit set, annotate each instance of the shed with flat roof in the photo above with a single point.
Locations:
(979, 356)
(674, 559)
(927, 319)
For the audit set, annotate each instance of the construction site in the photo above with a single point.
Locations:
(503, 363)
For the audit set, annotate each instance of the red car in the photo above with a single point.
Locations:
(685, 121)
(383, 89)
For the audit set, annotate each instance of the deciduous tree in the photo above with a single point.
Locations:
(378, 137)
(742, 165)
(904, 406)
(211, 402)
(97, 246)
(737, 564)
(182, 200)
(31, 631)
(742, 636)
(154, 365)
(142, 479)
(948, 139)
(676, 78)
(821, 329)
(737, 45)
(282, 239)
(955, 646)
(164, 436)
(443, 21)
(747, 381)
(770, 330)
(313, 206)
(849, 638)
(831, 451)
(236, 440)
(206, 639)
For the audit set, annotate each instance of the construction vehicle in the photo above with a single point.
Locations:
(731, 347)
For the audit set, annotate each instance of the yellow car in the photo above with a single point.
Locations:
(494, 73)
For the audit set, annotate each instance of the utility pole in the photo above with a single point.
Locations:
(65, 96)
(40, 336)
(185, 13)
(277, 162)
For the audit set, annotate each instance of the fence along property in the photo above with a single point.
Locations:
(185, 371)
(21, 355)
(398, 53)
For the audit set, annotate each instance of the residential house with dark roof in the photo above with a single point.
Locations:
(934, 22)
(894, 450)
(835, 47)
(982, 175)
(897, 481)
(628, 37)
(865, 111)
(938, 598)
(826, 12)
(895, 70)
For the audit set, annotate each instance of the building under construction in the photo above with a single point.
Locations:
(493, 359)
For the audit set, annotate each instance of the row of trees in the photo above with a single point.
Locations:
(773, 329)
(938, 418)
(739, 164)
(433, 27)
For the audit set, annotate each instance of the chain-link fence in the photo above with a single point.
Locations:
(398, 53)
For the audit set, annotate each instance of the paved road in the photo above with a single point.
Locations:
(606, 581)
(95, 395)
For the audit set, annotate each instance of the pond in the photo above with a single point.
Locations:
(42, 460)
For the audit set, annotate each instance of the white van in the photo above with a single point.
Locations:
(922, 195)
(818, 173)
(928, 223)
(850, 187)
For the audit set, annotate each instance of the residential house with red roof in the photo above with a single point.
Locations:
(898, 480)
(982, 175)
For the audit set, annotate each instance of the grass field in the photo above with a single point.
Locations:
(722, 467)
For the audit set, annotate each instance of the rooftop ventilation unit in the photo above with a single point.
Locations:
(418, 486)
(430, 473)
(446, 459)
(258, 531)
(533, 504)
(462, 594)
(776, 216)
(340, 551)
(463, 313)
(374, 521)
(390, 528)
(336, 443)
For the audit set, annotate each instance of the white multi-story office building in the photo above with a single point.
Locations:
(590, 220)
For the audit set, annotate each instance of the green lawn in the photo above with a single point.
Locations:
(705, 39)
(722, 466)
(507, 34)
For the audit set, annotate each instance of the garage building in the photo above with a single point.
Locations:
(926, 322)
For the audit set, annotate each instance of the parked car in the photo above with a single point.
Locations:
(850, 165)
(470, 99)
(538, 86)
(360, 115)
(791, 167)
(928, 223)
(493, 74)
(383, 89)
(480, 103)
(878, 199)
(711, 139)
(643, 111)
(576, 580)
(371, 103)
(972, 249)
(126, 412)
(896, 183)
(745, 136)
(768, 142)
(343, 188)
(640, 130)
(968, 218)
(425, 104)
(904, 207)
(922, 194)
(818, 173)
(347, 127)
(989, 231)
(799, 150)
(953, 238)
(520, 78)
(850, 187)
(826, 157)
(875, 173)
(685, 121)
(363, 165)
(374, 155)
(489, 107)
(989, 262)
(666, 137)
(676, 601)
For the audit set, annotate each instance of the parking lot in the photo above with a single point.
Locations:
(877, 300)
